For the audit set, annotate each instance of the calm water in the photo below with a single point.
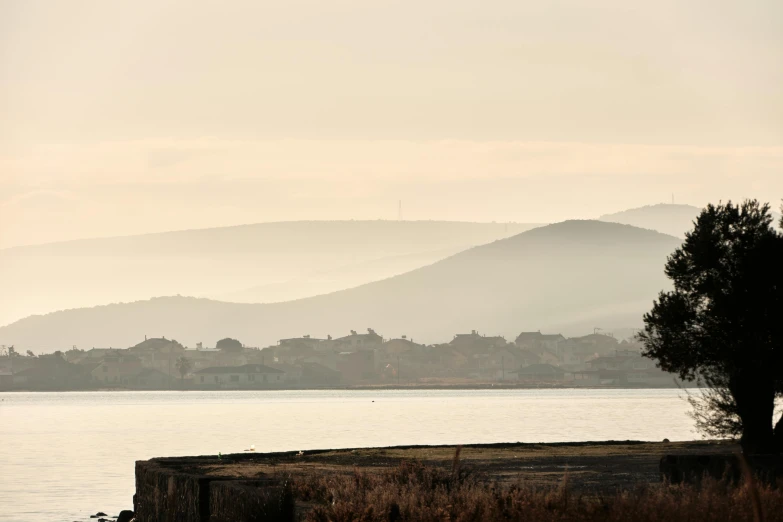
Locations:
(64, 456)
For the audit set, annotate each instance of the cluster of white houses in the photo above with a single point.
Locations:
(358, 358)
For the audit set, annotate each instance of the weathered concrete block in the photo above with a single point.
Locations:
(251, 501)
(165, 494)
(178, 490)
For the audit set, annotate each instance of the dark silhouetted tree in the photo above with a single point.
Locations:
(229, 345)
(721, 325)
(779, 426)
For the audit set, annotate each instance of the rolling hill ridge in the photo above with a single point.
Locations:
(264, 262)
(569, 277)
(672, 219)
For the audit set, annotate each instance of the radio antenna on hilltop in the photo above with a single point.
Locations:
(399, 211)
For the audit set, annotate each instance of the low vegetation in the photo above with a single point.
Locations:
(416, 492)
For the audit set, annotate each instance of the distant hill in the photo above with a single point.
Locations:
(263, 262)
(340, 278)
(667, 218)
(568, 277)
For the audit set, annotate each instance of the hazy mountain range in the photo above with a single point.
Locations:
(567, 277)
(670, 219)
(426, 279)
(254, 263)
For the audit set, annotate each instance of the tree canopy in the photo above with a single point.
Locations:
(229, 345)
(722, 324)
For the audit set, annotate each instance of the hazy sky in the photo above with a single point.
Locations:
(127, 117)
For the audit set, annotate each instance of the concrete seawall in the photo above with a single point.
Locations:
(185, 490)
(257, 487)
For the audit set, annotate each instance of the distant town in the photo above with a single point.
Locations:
(357, 359)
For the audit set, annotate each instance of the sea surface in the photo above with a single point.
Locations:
(64, 456)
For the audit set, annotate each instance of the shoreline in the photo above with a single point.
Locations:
(365, 387)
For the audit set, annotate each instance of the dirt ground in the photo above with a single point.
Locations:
(590, 467)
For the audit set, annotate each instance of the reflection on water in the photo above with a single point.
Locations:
(64, 456)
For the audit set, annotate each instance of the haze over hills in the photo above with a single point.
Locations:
(567, 277)
(667, 218)
(287, 260)
(340, 278)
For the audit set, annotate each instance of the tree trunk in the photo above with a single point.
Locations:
(756, 406)
(757, 436)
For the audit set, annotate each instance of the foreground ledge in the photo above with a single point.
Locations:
(255, 486)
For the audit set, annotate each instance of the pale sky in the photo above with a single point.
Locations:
(130, 117)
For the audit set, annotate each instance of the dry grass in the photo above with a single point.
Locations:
(416, 492)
